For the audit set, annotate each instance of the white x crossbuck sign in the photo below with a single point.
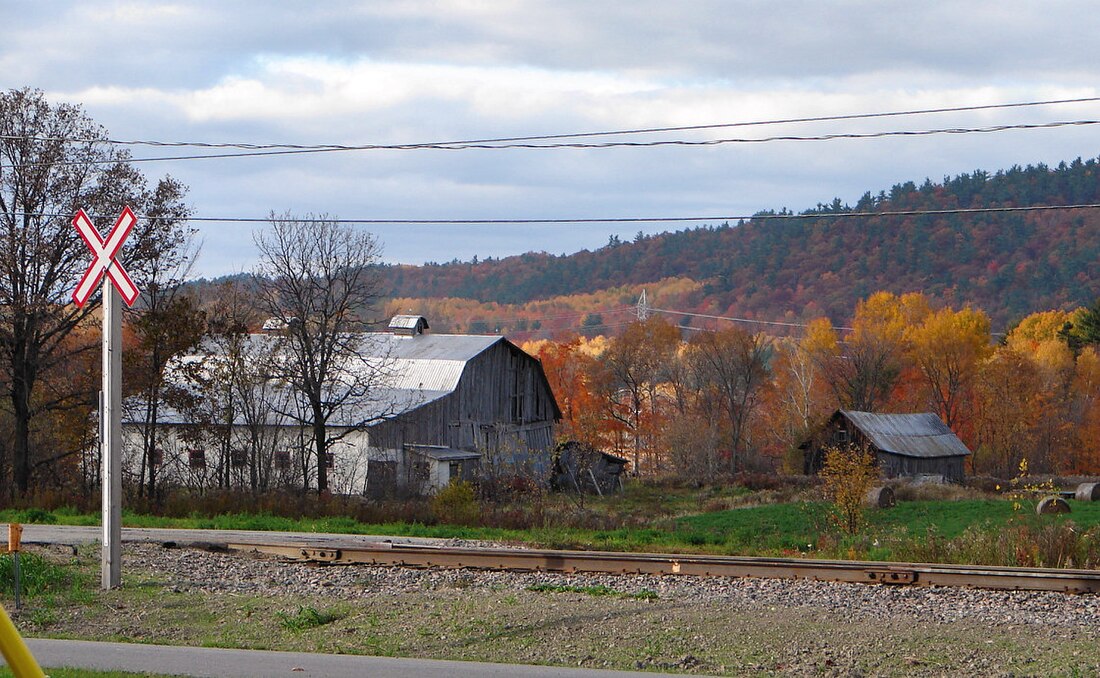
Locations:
(105, 260)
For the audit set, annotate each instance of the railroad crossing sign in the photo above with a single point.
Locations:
(105, 260)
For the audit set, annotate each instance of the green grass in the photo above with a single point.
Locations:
(308, 617)
(599, 590)
(773, 529)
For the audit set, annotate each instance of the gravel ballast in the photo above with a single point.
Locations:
(721, 626)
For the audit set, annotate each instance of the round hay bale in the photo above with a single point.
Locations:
(1050, 505)
(881, 497)
(1088, 492)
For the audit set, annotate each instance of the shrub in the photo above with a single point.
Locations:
(848, 474)
(456, 504)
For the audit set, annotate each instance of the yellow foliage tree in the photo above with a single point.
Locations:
(849, 474)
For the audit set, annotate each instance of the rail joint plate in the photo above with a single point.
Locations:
(892, 576)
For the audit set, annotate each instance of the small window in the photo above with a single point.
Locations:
(196, 458)
(281, 460)
(156, 458)
(330, 460)
(456, 471)
(238, 458)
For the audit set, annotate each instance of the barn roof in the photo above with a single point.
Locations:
(912, 435)
(413, 370)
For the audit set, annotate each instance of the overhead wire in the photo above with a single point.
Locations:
(610, 220)
(585, 145)
(573, 135)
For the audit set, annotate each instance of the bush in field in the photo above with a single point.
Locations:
(456, 504)
(1029, 543)
(848, 474)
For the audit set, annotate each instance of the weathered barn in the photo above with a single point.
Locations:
(465, 393)
(446, 406)
(905, 445)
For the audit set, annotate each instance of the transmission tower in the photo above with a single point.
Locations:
(643, 307)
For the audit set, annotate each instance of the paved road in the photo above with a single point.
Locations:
(218, 663)
(71, 534)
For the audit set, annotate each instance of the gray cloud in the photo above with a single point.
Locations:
(351, 72)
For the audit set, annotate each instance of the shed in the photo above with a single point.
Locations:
(581, 467)
(905, 445)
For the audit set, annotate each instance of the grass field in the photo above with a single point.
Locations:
(974, 531)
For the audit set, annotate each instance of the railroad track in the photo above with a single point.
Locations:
(606, 562)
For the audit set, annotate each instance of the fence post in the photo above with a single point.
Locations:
(15, 534)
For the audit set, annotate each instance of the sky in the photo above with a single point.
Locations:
(416, 72)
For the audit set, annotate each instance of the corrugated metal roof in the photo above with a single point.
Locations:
(412, 371)
(912, 435)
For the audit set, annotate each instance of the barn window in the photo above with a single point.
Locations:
(196, 458)
(156, 457)
(238, 458)
(281, 460)
(330, 460)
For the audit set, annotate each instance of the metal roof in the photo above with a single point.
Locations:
(411, 372)
(414, 324)
(911, 435)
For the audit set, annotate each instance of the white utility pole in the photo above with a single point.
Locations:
(111, 442)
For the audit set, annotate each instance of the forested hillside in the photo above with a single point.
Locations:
(822, 262)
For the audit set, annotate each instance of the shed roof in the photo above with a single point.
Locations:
(912, 435)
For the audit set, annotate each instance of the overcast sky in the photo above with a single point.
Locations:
(390, 72)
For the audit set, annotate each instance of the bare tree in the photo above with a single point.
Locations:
(166, 320)
(317, 279)
(54, 160)
(730, 367)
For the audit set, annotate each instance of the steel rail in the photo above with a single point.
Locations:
(607, 562)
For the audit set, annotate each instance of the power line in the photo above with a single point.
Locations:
(774, 323)
(567, 135)
(588, 145)
(609, 220)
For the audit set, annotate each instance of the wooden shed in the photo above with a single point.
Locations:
(905, 445)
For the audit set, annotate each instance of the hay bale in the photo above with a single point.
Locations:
(1088, 492)
(1050, 505)
(881, 497)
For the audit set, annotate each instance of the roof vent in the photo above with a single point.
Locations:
(408, 324)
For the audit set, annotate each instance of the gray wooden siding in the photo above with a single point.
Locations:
(502, 403)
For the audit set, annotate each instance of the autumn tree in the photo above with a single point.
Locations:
(628, 375)
(730, 369)
(317, 279)
(54, 160)
(568, 368)
(863, 369)
(801, 399)
(949, 347)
